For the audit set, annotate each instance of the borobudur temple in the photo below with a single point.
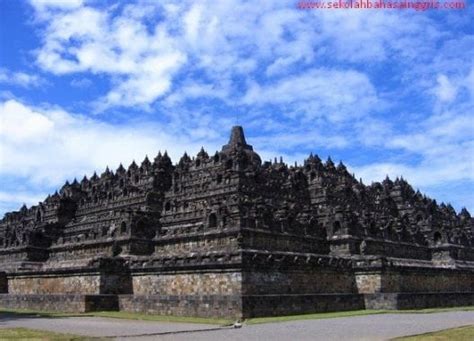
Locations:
(226, 235)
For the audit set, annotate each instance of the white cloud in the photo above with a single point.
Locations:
(19, 78)
(430, 172)
(443, 145)
(40, 4)
(46, 8)
(193, 90)
(20, 125)
(375, 36)
(13, 200)
(151, 80)
(445, 90)
(310, 140)
(225, 42)
(48, 145)
(85, 39)
(469, 82)
(319, 92)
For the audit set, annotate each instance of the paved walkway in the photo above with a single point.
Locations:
(370, 327)
(100, 326)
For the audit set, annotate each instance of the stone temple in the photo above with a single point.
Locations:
(226, 235)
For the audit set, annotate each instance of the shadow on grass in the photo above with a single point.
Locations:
(12, 315)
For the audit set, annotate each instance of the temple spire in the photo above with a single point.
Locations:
(237, 140)
(237, 136)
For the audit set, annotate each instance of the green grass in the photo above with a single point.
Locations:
(119, 315)
(36, 313)
(316, 316)
(150, 317)
(465, 333)
(336, 314)
(432, 310)
(33, 334)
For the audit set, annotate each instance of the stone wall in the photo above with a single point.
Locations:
(186, 244)
(117, 282)
(59, 284)
(214, 306)
(191, 283)
(298, 291)
(13, 258)
(418, 300)
(84, 250)
(369, 282)
(443, 252)
(179, 293)
(12, 255)
(272, 240)
(297, 282)
(433, 281)
(274, 305)
(59, 302)
(396, 249)
(414, 280)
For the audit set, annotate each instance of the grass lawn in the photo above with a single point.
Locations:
(459, 334)
(163, 318)
(117, 314)
(32, 334)
(150, 317)
(352, 313)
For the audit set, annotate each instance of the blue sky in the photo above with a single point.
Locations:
(86, 84)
